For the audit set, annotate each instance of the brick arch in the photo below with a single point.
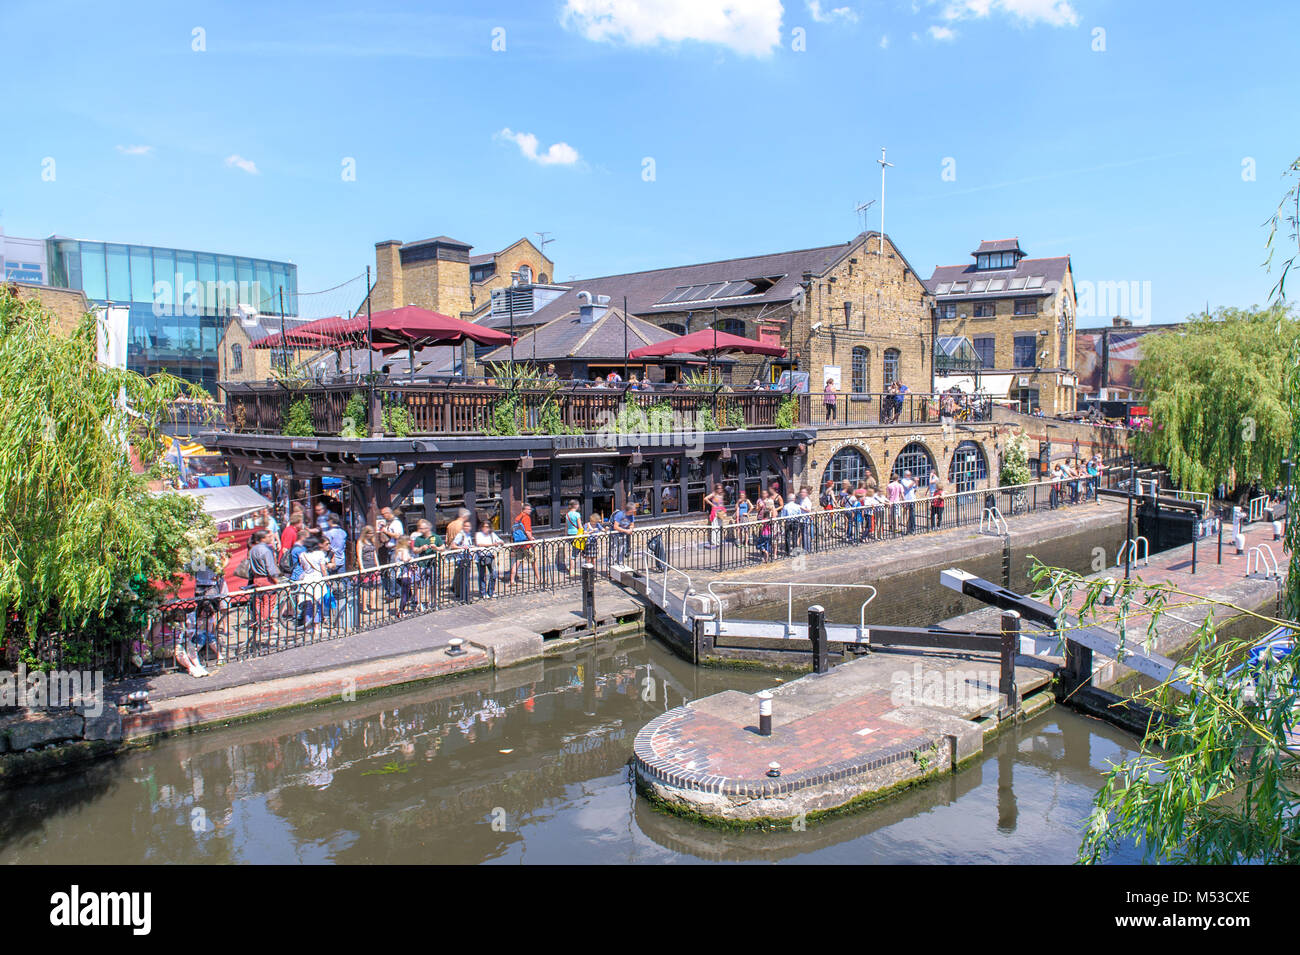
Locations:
(839, 474)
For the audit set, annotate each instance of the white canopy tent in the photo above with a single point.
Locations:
(226, 503)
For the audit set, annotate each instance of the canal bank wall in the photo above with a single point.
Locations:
(898, 718)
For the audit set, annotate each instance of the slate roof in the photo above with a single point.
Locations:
(1029, 277)
(998, 245)
(644, 290)
(565, 336)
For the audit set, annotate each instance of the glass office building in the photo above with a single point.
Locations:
(179, 300)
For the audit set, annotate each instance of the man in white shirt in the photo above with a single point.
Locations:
(909, 499)
(806, 506)
(793, 515)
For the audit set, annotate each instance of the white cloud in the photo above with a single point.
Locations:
(942, 33)
(135, 150)
(236, 161)
(829, 16)
(557, 154)
(751, 27)
(884, 42)
(1057, 13)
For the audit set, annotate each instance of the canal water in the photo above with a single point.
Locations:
(910, 597)
(525, 765)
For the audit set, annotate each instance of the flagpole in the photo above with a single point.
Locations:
(625, 355)
(715, 343)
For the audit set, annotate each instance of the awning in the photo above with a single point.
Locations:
(226, 503)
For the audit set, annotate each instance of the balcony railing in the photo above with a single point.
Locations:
(479, 408)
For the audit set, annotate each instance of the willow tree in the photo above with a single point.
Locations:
(1217, 393)
(82, 537)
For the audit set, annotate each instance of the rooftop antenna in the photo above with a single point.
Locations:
(544, 242)
(862, 208)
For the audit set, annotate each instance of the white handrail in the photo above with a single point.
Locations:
(1255, 508)
(1140, 555)
(994, 518)
(789, 598)
(1256, 559)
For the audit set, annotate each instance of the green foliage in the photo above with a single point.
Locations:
(398, 421)
(505, 417)
(355, 414)
(1213, 783)
(1015, 461)
(1215, 390)
(786, 413)
(1287, 217)
(298, 422)
(81, 535)
(550, 421)
(704, 419)
(735, 417)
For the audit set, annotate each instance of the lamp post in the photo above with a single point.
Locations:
(1286, 527)
(1132, 490)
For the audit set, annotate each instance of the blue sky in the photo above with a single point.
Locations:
(764, 120)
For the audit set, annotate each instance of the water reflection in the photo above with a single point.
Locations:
(524, 765)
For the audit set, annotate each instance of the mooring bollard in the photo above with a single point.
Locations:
(1010, 647)
(455, 646)
(817, 634)
(1277, 530)
(589, 594)
(765, 713)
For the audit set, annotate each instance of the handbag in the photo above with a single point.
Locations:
(244, 569)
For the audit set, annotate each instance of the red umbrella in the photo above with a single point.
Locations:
(707, 341)
(413, 327)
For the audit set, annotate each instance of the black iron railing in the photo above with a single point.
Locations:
(250, 623)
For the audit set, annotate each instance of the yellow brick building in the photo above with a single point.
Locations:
(1018, 314)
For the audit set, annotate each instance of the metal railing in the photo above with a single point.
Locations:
(485, 408)
(263, 620)
(789, 600)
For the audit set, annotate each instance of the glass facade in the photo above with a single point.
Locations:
(179, 300)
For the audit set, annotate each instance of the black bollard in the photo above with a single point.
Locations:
(765, 714)
(589, 594)
(817, 634)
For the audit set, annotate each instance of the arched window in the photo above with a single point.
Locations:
(236, 359)
(525, 275)
(861, 369)
(732, 326)
(969, 467)
(542, 278)
(848, 464)
(914, 458)
(674, 328)
(891, 366)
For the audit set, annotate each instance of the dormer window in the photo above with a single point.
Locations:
(996, 260)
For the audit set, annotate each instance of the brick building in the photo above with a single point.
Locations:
(856, 311)
(441, 275)
(69, 306)
(1018, 315)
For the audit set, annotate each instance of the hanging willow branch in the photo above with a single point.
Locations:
(1216, 390)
